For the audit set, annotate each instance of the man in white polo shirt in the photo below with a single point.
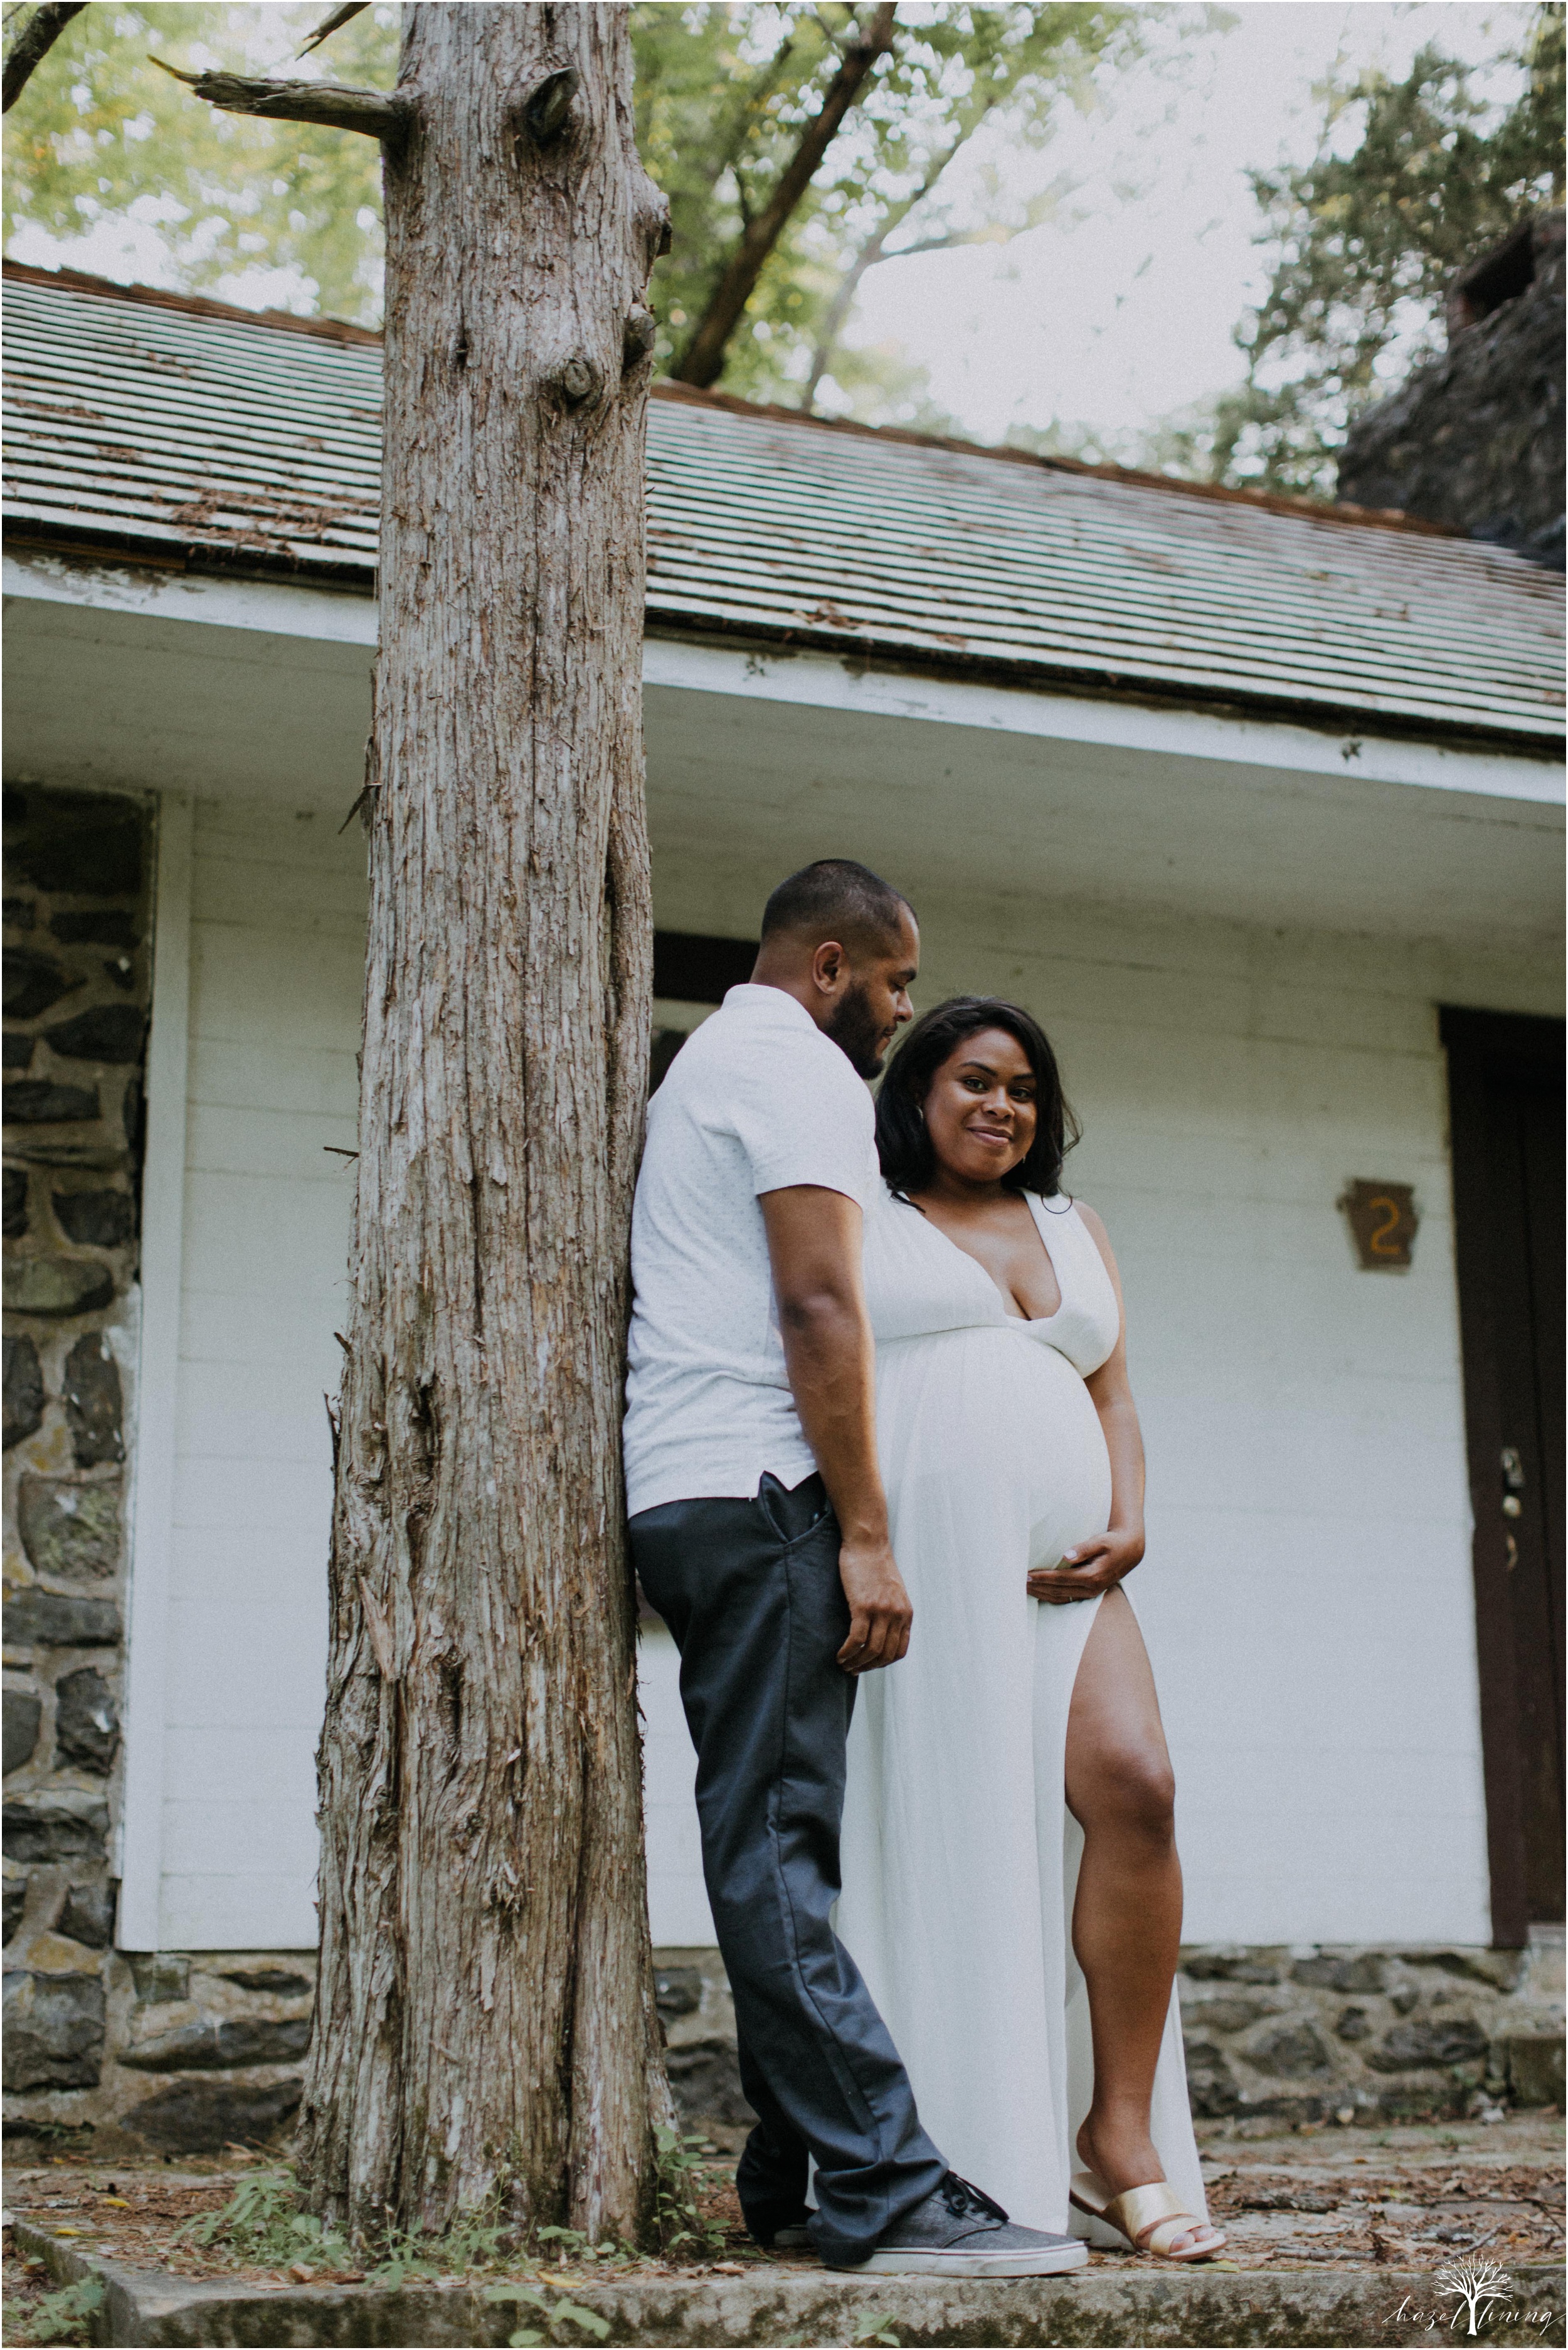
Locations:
(759, 1529)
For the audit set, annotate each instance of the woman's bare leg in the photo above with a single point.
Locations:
(1127, 1918)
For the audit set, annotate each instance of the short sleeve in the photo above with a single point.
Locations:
(808, 1119)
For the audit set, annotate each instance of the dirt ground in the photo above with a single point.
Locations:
(1404, 2197)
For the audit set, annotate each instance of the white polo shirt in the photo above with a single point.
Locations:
(756, 1099)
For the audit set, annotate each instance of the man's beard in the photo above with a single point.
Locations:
(856, 1030)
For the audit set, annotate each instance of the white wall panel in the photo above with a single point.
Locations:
(277, 951)
(677, 1898)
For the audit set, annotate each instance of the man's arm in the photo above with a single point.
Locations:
(814, 1243)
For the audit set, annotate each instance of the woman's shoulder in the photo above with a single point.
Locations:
(1065, 1204)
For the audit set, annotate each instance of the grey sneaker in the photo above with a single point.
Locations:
(958, 2232)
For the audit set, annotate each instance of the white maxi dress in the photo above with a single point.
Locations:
(959, 1856)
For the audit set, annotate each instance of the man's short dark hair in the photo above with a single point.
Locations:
(836, 899)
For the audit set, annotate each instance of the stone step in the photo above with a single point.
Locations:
(1143, 2306)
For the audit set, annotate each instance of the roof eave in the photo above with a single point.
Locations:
(1324, 717)
(85, 543)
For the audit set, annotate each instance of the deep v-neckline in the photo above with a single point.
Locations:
(1027, 1321)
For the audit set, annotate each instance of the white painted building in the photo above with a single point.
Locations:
(1238, 795)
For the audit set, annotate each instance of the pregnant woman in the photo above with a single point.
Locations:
(1010, 1774)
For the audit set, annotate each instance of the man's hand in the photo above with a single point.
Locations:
(880, 1614)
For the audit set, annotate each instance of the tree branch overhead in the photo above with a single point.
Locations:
(32, 46)
(702, 361)
(329, 25)
(376, 113)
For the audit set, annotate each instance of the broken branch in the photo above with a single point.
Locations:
(32, 46)
(329, 25)
(375, 112)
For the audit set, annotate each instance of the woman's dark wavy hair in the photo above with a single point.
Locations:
(903, 1144)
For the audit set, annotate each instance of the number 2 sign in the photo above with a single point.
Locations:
(1383, 1221)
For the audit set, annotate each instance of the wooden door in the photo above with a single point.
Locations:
(1506, 1091)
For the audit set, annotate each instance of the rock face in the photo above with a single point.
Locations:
(91, 1395)
(87, 1721)
(57, 1290)
(103, 1220)
(208, 2047)
(69, 1532)
(1475, 438)
(75, 1021)
(24, 1712)
(1428, 2035)
(54, 2031)
(200, 2116)
(60, 1620)
(89, 1916)
(23, 1384)
(51, 1832)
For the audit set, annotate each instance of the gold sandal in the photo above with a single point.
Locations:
(1146, 2219)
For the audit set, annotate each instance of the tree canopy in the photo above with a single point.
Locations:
(101, 135)
(727, 92)
(1414, 178)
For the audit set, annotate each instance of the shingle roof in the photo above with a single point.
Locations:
(170, 426)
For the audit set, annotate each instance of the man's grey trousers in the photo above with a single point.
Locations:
(751, 1591)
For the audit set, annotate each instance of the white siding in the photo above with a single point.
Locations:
(277, 959)
(677, 1907)
(1308, 1592)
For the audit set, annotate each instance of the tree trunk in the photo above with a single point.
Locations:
(485, 2019)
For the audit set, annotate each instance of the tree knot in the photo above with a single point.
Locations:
(578, 380)
(638, 336)
(544, 112)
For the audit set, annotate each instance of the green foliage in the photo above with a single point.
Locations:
(480, 2238)
(678, 2211)
(66, 2315)
(1414, 178)
(724, 91)
(99, 134)
(262, 2223)
(875, 2325)
(554, 2311)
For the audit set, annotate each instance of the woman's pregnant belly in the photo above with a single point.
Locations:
(1006, 1426)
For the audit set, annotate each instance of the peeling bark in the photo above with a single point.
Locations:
(485, 2019)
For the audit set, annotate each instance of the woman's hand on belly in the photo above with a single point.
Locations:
(1089, 1568)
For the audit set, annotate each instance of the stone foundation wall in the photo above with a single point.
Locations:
(76, 1009)
(1274, 2037)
